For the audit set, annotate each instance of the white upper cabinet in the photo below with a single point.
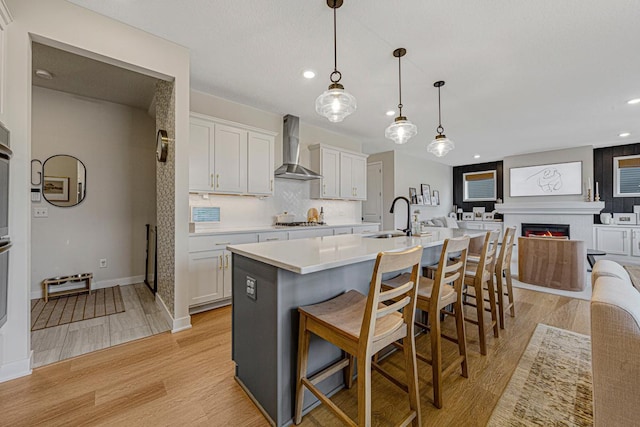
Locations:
(353, 176)
(260, 163)
(229, 158)
(344, 173)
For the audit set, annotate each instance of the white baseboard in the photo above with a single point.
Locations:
(17, 369)
(177, 325)
(210, 306)
(122, 281)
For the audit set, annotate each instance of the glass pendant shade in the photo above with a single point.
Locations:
(335, 103)
(401, 130)
(440, 146)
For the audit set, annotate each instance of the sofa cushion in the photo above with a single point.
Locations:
(439, 221)
(606, 268)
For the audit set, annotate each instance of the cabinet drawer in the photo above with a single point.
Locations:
(303, 234)
(366, 229)
(339, 231)
(273, 236)
(219, 241)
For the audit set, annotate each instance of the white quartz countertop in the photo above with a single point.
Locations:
(268, 228)
(310, 255)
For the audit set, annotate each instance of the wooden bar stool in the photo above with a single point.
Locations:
(503, 270)
(476, 276)
(361, 326)
(433, 297)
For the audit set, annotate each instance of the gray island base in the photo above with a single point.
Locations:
(272, 279)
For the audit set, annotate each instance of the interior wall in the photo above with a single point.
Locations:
(412, 172)
(603, 174)
(116, 143)
(583, 154)
(458, 185)
(289, 195)
(67, 26)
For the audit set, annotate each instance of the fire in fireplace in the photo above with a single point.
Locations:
(545, 230)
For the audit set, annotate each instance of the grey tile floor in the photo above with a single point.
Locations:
(141, 318)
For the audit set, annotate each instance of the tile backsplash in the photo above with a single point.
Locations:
(289, 195)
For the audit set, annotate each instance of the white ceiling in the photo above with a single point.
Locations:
(521, 76)
(84, 76)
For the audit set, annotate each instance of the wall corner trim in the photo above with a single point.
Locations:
(177, 325)
(17, 369)
(5, 15)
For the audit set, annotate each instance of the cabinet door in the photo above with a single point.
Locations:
(200, 156)
(230, 159)
(205, 277)
(359, 177)
(304, 234)
(474, 226)
(342, 231)
(227, 269)
(635, 242)
(260, 164)
(613, 241)
(346, 176)
(330, 171)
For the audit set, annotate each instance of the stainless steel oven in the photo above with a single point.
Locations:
(5, 240)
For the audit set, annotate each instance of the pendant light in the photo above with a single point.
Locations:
(441, 145)
(401, 129)
(335, 103)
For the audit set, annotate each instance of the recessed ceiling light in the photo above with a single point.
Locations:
(634, 101)
(390, 113)
(44, 74)
(476, 156)
(308, 74)
(624, 134)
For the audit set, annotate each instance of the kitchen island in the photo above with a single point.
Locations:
(272, 279)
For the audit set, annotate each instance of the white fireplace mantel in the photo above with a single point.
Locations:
(551, 208)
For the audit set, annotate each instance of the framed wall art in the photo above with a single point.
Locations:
(426, 193)
(56, 188)
(556, 179)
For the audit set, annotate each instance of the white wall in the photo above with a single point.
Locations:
(67, 26)
(289, 195)
(583, 154)
(116, 143)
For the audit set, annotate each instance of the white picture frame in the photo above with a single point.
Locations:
(477, 213)
(420, 200)
(56, 188)
(487, 216)
(467, 216)
(555, 179)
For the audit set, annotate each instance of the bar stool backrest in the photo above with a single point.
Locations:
(504, 258)
(404, 296)
(453, 273)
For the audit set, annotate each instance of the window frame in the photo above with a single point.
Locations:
(616, 177)
(465, 197)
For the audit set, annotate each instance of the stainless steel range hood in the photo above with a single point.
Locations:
(291, 152)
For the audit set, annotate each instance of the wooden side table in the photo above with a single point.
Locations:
(55, 281)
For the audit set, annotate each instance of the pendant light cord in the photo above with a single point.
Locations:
(440, 129)
(336, 76)
(400, 84)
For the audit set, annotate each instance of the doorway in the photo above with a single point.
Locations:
(372, 207)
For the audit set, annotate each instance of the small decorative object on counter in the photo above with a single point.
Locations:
(312, 215)
(321, 217)
(597, 195)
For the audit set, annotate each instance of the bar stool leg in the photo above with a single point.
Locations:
(436, 357)
(348, 372)
(492, 307)
(500, 290)
(480, 314)
(303, 357)
(512, 309)
(462, 340)
(364, 390)
(409, 348)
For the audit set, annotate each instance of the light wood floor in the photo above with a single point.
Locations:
(187, 378)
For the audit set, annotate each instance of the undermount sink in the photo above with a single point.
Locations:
(385, 235)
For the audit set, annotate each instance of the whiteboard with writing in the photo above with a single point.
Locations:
(546, 180)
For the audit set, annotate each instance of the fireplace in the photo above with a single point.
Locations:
(545, 230)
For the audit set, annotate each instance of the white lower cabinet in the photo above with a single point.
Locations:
(317, 232)
(482, 225)
(635, 242)
(359, 229)
(615, 240)
(339, 231)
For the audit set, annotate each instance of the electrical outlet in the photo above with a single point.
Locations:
(103, 263)
(252, 290)
(40, 212)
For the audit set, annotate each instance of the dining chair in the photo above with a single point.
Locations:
(434, 295)
(361, 326)
(476, 276)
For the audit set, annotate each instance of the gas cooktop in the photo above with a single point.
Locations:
(299, 224)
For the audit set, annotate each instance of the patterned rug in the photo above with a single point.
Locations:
(552, 384)
(61, 310)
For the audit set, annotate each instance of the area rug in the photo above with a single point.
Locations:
(552, 384)
(68, 309)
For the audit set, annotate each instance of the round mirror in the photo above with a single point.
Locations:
(64, 182)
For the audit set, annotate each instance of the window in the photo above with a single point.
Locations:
(479, 186)
(626, 176)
